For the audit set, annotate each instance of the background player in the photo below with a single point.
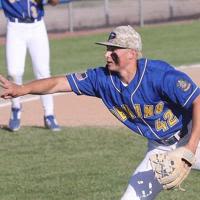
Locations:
(149, 96)
(26, 30)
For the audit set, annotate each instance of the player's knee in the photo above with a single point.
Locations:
(142, 185)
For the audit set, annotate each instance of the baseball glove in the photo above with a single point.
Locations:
(173, 167)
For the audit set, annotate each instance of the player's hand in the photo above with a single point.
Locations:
(8, 89)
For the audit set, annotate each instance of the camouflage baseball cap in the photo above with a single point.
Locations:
(125, 37)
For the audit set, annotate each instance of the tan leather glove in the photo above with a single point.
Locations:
(173, 167)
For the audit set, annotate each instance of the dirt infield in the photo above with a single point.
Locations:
(72, 110)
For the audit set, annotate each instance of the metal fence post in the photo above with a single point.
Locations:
(106, 10)
(141, 17)
(70, 16)
(171, 9)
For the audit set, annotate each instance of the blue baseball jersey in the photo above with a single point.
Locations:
(22, 9)
(156, 104)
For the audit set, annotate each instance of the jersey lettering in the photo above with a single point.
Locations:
(170, 118)
(128, 111)
(161, 125)
(159, 108)
(138, 110)
(148, 111)
(120, 113)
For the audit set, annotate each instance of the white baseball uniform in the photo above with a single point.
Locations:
(26, 30)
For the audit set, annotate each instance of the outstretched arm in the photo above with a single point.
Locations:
(42, 86)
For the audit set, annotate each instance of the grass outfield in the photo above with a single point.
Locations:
(74, 164)
(88, 163)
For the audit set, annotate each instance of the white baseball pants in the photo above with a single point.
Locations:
(31, 36)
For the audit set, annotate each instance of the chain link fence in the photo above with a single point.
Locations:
(91, 14)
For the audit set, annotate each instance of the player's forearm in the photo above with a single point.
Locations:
(43, 86)
(47, 86)
(34, 87)
(195, 136)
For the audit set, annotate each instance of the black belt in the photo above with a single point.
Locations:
(172, 139)
(26, 20)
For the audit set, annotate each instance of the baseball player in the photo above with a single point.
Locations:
(150, 97)
(26, 30)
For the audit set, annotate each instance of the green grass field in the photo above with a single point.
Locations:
(76, 163)
(88, 163)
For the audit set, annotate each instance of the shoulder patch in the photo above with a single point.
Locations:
(183, 85)
(81, 76)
